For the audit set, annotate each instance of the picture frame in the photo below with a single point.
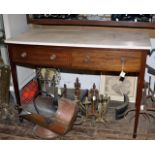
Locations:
(113, 87)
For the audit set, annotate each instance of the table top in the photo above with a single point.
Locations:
(76, 36)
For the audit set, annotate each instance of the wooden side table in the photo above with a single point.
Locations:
(81, 48)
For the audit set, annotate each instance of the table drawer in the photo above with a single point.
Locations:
(106, 60)
(40, 55)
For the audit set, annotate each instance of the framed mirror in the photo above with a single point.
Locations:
(108, 20)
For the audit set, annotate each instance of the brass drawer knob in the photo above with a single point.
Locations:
(87, 59)
(53, 57)
(23, 54)
(123, 60)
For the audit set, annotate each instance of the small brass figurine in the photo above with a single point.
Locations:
(94, 95)
(77, 86)
(103, 108)
(87, 103)
(77, 94)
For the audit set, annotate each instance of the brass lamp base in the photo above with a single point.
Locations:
(44, 133)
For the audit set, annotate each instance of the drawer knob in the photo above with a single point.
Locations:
(87, 59)
(123, 60)
(53, 57)
(23, 54)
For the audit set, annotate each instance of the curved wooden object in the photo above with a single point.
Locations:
(61, 121)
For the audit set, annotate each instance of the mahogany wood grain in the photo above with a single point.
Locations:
(106, 59)
(139, 91)
(78, 58)
(42, 55)
(14, 76)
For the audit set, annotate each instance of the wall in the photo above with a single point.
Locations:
(151, 61)
(2, 48)
(15, 24)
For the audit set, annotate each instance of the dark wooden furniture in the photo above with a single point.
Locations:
(98, 51)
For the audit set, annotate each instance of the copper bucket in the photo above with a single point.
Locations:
(61, 121)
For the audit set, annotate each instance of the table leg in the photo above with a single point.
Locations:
(15, 83)
(139, 92)
(14, 78)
